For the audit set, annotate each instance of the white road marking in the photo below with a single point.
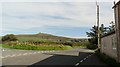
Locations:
(77, 64)
(12, 55)
(0, 56)
(39, 52)
(84, 58)
(34, 52)
(42, 51)
(25, 53)
(87, 57)
(3, 50)
(47, 51)
(81, 61)
(19, 54)
(29, 53)
(50, 51)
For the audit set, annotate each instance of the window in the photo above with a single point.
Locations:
(114, 42)
(104, 45)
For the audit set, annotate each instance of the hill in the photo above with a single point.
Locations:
(45, 37)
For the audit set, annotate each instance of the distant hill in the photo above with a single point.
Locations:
(45, 37)
(41, 37)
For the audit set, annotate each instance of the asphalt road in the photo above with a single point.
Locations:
(74, 57)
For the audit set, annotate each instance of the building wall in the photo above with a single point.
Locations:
(117, 22)
(109, 45)
(119, 30)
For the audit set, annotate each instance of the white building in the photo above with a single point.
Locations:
(117, 22)
(110, 43)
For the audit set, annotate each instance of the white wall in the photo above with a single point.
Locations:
(108, 45)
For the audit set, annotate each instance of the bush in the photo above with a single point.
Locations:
(68, 43)
(9, 37)
(92, 46)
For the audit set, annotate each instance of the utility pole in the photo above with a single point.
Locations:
(98, 25)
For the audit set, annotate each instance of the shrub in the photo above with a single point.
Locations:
(91, 46)
(9, 37)
(68, 43)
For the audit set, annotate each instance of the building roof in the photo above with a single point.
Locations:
(110, 33)
(116, 4)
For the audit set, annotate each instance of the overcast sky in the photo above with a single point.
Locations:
(72, 19)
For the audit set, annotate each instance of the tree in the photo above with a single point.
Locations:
(9, 37)
(111, 27)
(93, 40)
(94, 31)
(103, 30)
(94, 34)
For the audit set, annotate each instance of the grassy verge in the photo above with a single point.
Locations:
(79, 46)
(32, 47)
(106, 59)
(0, 45)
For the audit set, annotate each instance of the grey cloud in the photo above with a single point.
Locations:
(52, 14)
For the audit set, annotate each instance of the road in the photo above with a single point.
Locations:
(74, 57)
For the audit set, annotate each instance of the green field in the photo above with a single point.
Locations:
(32, 47)
(42, 37)
(42, 41)
(0, 45)
(27, 38)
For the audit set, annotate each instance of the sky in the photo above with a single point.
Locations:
(69, 19)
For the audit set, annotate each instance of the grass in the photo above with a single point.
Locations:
(79, 46)
(40, 37)
(30, 38)
(4, 45)
(32, 47)
(0, 45)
